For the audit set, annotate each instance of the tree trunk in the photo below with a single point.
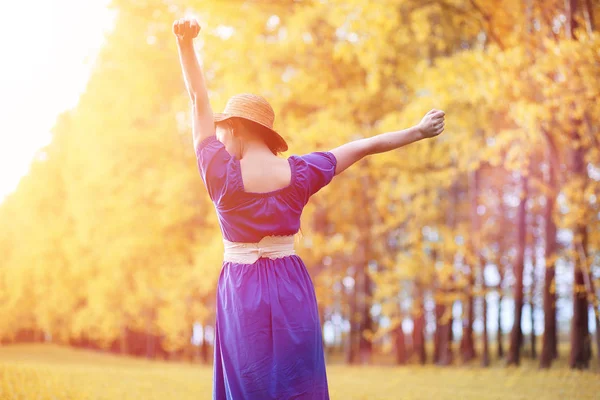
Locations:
(467, 344)
(149, 336)
(502, 244)
(485, 357)
(400, 345)
(364, 344)
(322, 323)
(123, 342)
(499, 335)
(571, 22)
(532, 309)
(501, 249)
(516, 333)
(443, 331)
(350, 347)
(591, 290)
(438, 312)
(444, 303)
(204, 346)
(532, 290)
(580, 338)
(588, 14)
(549, 338)
(419, 325)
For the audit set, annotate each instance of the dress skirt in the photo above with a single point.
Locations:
(268, 340)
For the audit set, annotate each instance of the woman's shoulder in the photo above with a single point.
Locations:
(313, 171)
(208, 144)
(218, 168)
(317, 159)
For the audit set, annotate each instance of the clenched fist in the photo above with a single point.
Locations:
(186, 28)
(432, 123)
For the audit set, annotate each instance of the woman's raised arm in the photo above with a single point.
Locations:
(186, 29)
(347, 154)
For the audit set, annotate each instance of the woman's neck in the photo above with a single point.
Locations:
(254, 148)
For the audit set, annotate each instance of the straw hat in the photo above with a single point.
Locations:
(256, 109)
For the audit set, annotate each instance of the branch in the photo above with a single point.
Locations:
(487, 19)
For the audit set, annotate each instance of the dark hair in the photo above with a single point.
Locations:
(255, 128)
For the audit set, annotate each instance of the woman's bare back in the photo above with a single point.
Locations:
(262, 174)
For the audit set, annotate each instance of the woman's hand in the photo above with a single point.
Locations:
(432, 123)
(186, 28)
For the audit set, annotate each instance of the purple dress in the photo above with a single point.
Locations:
(268, 342)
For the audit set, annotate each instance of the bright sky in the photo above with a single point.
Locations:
(47, 52)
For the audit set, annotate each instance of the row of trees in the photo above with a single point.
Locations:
(111, 239)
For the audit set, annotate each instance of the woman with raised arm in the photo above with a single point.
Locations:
(268, 342)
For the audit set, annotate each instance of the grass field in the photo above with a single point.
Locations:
(49, 372)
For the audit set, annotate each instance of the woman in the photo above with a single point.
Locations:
(268, 341)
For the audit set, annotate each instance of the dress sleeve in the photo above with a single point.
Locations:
(213, 159)
(315, 171)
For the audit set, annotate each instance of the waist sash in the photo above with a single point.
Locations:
(269, 247)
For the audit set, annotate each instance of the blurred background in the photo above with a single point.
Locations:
(482, 245)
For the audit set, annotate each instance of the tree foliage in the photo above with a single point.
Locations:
(111, 231)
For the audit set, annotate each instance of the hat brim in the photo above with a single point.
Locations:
(280, 143)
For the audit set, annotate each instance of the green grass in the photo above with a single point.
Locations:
(44, 372)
